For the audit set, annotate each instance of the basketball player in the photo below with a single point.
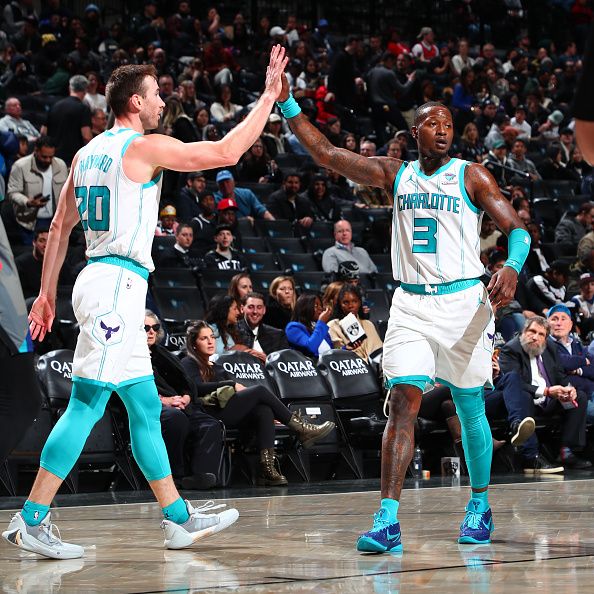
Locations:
(441, 321)
(113, 188)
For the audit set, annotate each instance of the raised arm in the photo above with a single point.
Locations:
(378, 172)
(483, 188)
(168, 153)
(42, 312)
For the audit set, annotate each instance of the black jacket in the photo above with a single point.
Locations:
(279, 205)
(513, 358)
(271, 339)
(202, 388)
(277, 316)
(170, 376)
(173, 258)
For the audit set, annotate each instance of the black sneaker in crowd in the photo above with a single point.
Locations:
(540, 465)
(521, 431)
(575, 462)
(199, 482)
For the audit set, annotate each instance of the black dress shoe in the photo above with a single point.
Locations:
(540, 465)
(521, 431)
(574, 462)
(197, 482)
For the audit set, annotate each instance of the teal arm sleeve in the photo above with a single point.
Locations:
(518, 246)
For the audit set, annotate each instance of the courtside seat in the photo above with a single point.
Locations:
(245, 369)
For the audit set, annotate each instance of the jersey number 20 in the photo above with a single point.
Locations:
(93, 207)
(424, 240)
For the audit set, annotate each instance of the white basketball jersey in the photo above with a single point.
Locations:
(118, 215)
(436, 230)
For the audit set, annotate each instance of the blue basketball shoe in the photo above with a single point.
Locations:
(383, 537)
(477, 526)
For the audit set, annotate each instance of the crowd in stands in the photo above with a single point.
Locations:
(277, 250)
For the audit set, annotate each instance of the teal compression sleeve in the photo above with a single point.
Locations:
(518, 246)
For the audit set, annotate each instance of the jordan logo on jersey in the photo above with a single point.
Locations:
(108, 331)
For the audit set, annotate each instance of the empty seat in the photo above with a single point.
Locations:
(319, 244)
(322, 230)
(286, 245)
(560, 188)
(160, 244)
(300, 263)
(252, 245)
(383, 262)
(379, 306)
(174, 277)
(262, 279)
(215, 278)
(386, 282)
(178, 306)
(311, 281)
(278, 228)
(262, 191)
(258, 262)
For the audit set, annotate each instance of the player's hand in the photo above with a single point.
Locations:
(275, 69)
(285, 89)
(502, 287)
(41, 317)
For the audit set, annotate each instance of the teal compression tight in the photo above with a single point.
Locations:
(476, 434)
(87, 405)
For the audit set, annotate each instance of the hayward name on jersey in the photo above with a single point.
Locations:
(436, 230)
(118, 215)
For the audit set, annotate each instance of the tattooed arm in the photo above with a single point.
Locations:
(378, 172)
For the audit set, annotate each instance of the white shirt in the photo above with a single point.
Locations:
(538, 381)
(524, 128)
(46, 211)
(257, 346)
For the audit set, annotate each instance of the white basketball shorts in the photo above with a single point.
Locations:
(109, 304)
(440, 338)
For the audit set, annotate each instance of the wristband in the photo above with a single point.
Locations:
(289, 108)
(518, 246)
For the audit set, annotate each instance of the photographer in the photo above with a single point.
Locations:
(34, 186)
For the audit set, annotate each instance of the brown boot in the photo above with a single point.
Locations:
(269, 476)
(307, 432)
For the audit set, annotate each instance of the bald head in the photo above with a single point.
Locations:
(424, 110)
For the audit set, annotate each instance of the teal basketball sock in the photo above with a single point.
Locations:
(33, 513)
(177, 511)
(391, 505)
(482, 498)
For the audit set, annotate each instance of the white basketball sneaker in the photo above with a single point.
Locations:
(40, 539)
(199, 525)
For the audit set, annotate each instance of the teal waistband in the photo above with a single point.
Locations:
(440, 289)
(123, 262)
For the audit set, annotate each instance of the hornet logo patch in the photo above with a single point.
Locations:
(108, 331)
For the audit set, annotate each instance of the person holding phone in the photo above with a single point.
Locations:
(34, 185)
(308, 330)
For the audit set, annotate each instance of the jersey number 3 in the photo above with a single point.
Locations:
(93, 207)
(424, 240)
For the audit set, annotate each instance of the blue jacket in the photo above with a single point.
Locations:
(306, 341)
(247, 202)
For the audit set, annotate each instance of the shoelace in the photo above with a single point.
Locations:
(208, 506)
(473, 519)
(48, 530)
(380, 521)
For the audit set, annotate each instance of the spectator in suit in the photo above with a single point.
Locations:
(240, 286)
(255, 334)
(183, 419)
(544, 291)
(350, 300)
(308, 330)
(537, 262)
(572, 229)
(281, 302)
(252, 409)
(224, 257)
(345, 250)
(178, 255)
(545, 390)
(247, 202)
(288, 204)
(574, 356)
